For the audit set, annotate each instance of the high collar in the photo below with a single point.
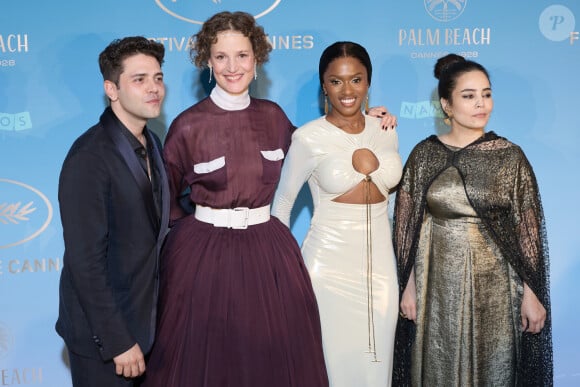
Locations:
(227, 101)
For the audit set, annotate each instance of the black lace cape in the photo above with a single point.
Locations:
(512, 213)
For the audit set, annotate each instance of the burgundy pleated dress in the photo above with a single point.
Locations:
(236, 305)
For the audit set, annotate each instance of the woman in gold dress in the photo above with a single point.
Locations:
(470, 241)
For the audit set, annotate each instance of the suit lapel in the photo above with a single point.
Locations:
(111, 125)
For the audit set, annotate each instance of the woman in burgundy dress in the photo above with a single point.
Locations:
(236, 303)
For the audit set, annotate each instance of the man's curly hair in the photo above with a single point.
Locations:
(112, 57)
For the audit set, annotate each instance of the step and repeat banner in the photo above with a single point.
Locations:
(51, 91)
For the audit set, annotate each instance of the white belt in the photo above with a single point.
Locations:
(238, 218)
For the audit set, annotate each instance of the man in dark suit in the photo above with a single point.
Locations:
(114, 207)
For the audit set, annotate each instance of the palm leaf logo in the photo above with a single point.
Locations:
(15, 213)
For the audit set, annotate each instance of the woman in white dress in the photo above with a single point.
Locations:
(350, 164)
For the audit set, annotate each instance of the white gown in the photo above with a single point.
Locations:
(357, 296)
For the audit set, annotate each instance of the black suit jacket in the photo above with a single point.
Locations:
(113, 232)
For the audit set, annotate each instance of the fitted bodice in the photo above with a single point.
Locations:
(446, 197)
(333, 148)
(321, 154)
(227, 159)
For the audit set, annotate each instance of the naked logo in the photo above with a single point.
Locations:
(445, 10)
(6, 340)
(421, 109)
(25, 213)
(197, 11)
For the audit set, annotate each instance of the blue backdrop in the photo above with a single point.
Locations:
(51, 91)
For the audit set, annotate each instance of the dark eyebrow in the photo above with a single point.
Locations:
(473, 90)
(136, 75)
(360, 74)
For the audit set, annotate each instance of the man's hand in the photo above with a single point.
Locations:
(131, 363)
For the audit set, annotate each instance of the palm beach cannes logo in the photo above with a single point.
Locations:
(25, 213)
(445, 10)
(197, 11)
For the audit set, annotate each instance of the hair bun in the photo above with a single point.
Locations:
(445, 62)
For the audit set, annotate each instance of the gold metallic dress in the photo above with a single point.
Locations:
(468, 297)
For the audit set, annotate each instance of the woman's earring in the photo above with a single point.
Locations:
(255, 71)
(448, 115)
(325, 104)
(367, 105)
(448, 118)
(210, 74)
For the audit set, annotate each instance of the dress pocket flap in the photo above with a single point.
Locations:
(210, 166)
(273, 155)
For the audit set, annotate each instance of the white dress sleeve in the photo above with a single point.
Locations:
(296, 170)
